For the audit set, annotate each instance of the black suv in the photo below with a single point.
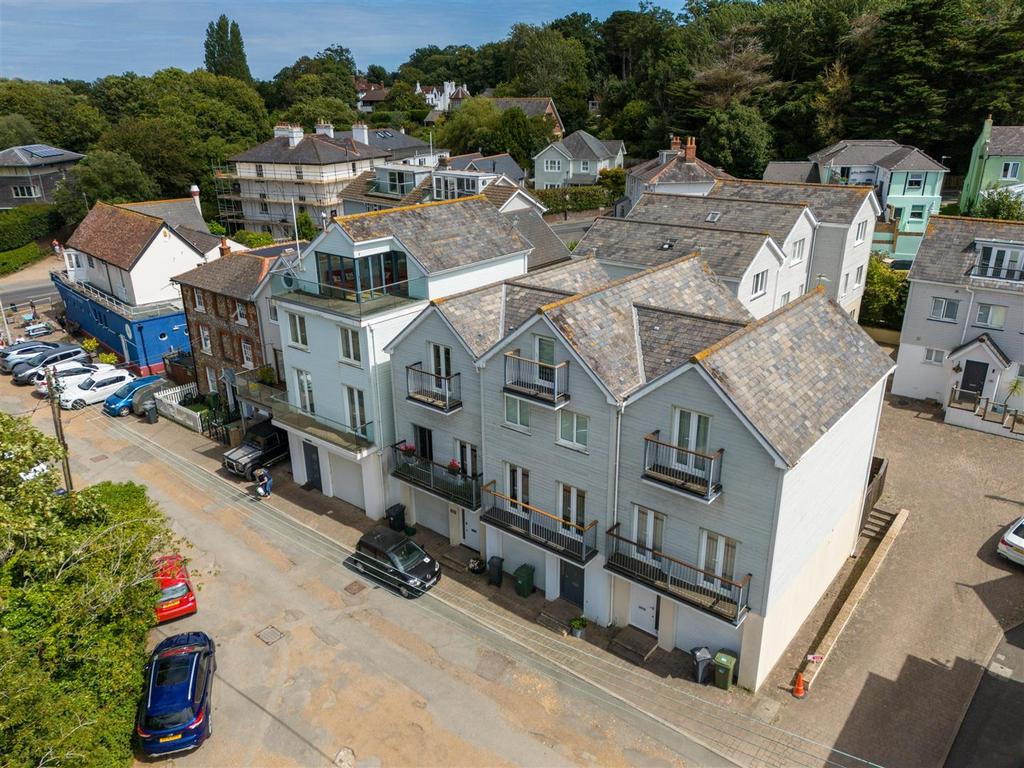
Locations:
(397, 560)
(264, 444)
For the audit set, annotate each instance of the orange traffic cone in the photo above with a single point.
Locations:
(798, 690)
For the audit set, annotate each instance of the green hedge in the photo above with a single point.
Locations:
(27, 223)
(12, 261)
(579, 198)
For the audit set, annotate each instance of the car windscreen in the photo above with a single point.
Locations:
(37, 360)
(123, 391)
(1019, 531)
(88, 383)
(172, 592)
(173, 719)
(406, 555)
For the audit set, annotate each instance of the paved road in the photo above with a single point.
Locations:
(992, 735)
(25, 292)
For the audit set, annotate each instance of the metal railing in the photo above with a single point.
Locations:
(252, 386)
(282, 172)
(534, 379)
(725, 598)
(354, 439)
(980, 269)
(691, 471)
(344, 300)
(129, 311)
(454, 485)
(528, 522)
(441, 392)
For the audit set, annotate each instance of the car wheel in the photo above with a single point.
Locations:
(78, 405)
(404, 592)
(250, 474)
(124, 411)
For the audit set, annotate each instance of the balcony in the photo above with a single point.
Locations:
(442, 393)
(347, 301)
(396, 190)
(996, 271)
(536, 526)
(456, 487)
(354, 439)
(125, 310)
(258, 387)
(541, 382)
(692, 472)
(721, 597)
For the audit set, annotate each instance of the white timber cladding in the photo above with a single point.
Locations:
(482, 273)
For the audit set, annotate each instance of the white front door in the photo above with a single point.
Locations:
(470, 529)
(643, 609)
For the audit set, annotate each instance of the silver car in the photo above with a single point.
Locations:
(22, 351)
(25, 371)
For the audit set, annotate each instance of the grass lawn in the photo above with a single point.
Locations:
(197, 407)
(12, 261)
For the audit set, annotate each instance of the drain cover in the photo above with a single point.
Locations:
(97, 459)
(270, 635)
(355, 587)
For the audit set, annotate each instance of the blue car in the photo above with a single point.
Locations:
(174, 714)
(120, 403)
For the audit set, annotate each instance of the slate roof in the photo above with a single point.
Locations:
(377, 94)
(35, 156)
(800, 171)
(237, 275)
(885, 153)
(948, 252)
(675, 170)
(359, 189)
(203, 242)
(114, 234)
(388, 139)
(441, 235)
(1006, 140)
(908, 158)
(314, 149)
(460, 162)
(580, 145)
(796, 372)
(770, 218)
(986, 341)
(179, 212)
(548, 248)
(643, 244)
(577, 276)
(501, 163)
(831, 203)
(533, 106)
(669, 338)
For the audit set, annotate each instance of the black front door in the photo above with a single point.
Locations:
(571, 587)
(312, 460)
(974, 376)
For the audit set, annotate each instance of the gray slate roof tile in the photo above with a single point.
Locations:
(830, 203)
(776, 219)
(548, 248)
(313, 149)
(1006, 140)
(800, 171)
(676, 170)
(948, 251)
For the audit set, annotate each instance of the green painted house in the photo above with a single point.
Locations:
(997, 161)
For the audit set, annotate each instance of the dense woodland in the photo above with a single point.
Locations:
(753, 80)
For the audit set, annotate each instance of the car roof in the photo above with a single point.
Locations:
(385, 538)
(169, 570)
(167, 698)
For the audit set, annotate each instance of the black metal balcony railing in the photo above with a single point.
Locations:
(441, 392)
(455, 486)
(676, 578)
(563, 537)
(981, 269)
(690, 471)
(540, 381)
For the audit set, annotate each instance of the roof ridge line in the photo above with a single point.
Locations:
(120, 207)
(853, 187)
(974, 218)
(721, 343)
(696, 315)
(369, 214)
(713, 197)
(690, 226)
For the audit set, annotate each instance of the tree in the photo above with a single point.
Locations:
(308, 229)
(402, 98)
(172, 158)
(308, 113)
(470, 127)
(331, 74)
(253, 239)
(547, 64)
(513, 132)
(614, 180)
(16, 130)
(63, 118)
(225, 51)
(885, 295)
(103, 176)
(737, 139)
(375, 73)
(1000, 204)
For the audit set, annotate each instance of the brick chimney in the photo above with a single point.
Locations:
(674, 142)
(225, 249)
(194, 191)
(691, 150)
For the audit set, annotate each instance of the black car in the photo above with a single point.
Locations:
(396, 560)
(263, 445)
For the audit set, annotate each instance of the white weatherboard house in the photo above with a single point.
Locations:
(357, 286)
(703, 483)
(962, 341)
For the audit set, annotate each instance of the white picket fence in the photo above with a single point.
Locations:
(167, 404)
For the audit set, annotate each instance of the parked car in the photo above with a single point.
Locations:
(120, 403)
(23, 350)
(67, 374)
(174, 713)
(1011, 543)
(177, 597)
(94, 389)
(263, 445)
(25, 372)
(397, 560)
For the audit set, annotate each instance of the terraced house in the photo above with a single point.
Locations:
(658, 457)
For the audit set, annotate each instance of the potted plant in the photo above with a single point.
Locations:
(577, 625)
(266, 375)
(454, 468)
(408, 452)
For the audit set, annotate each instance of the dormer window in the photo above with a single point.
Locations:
(713, 217)
(668, 244)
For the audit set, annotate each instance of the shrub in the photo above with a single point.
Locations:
(216, 228)
(12, 261)
(573, 198)
(22, 225)
(885, 295)
(107, 357)
(253, 239)
(90, 345)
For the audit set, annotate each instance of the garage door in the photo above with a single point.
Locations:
(432, 513)
(347, 480)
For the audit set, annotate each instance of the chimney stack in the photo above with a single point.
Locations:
(691, 149)
(324, 128)
(225, 249)
(674, 142)
(291, 132)
(361, 133)
(194, 191)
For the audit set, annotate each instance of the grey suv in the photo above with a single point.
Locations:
(22, 351)
(25, 371)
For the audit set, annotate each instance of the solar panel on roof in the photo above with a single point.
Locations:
(42, 150)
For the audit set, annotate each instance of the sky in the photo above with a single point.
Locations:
(86, 39)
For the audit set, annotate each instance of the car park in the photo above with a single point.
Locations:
(174, 713)
(177, 597)
(24, 372)
(1011, 543)
(23, 350)
(398, 561)
(94, 389)
(263, 445)
(68, 374)
(120, 402)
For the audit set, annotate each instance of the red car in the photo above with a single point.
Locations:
(177, 598)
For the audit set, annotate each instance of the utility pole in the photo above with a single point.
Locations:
(54, 395)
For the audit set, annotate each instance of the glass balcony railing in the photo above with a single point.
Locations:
(347, 301)
(356, 439)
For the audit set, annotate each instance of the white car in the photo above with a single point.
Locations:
(68, 374)
(94, 389)
(1011, 544)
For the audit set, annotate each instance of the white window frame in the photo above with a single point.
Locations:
(988, 310)
(579, 425)
(934, 356)
(762, 278)
(858, 279)
(520, 412)
(862, 231)
(304, 390)
(23, 192)
(241, 317)
(355, 409)
(576, 510)
(552, 165)
(798, 251)
(846, 284)
(785, 299)
(272, 312)
(917, 212)
(297, 327)
(521, 491)
(197, 297)
(941, 314)
(549, 185)
(1011, 170)
(688, 462)
(204, 340)
(648, 532)
(248, 361)
(717, 564)
(915, 180)
(211, 379)
(468, 457)
(349, 346)
(584, 166)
